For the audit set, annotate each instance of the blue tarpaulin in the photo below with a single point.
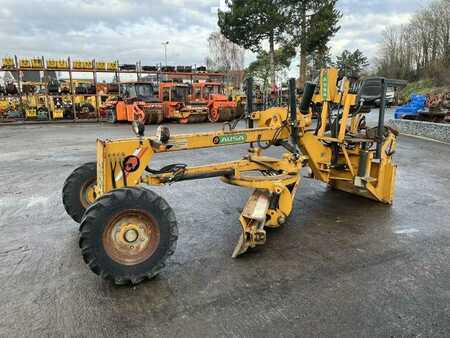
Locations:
(416, 103)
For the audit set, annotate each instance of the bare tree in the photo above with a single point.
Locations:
(421, 48)
(224, 55)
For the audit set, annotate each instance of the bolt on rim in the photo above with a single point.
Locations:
(131, 237)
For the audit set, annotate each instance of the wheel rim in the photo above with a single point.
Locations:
(87, 193)
(131, 237)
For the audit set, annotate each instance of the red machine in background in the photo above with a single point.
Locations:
(175, 101)
(177, 106)
(137, 101)
(221, 108)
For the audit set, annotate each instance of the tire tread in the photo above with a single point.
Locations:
(70, 186)
(120, 194)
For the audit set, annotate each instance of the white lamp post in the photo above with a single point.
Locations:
(165, 50)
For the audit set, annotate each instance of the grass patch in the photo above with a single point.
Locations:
(422, 87)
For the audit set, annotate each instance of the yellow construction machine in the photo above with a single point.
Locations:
(127, 231)
(35, 107)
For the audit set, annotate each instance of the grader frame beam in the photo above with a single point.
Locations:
(112, 154)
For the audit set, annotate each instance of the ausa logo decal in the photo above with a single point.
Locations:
(230, 139)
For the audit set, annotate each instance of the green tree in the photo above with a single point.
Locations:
(262, 69)
(311, 24)
(352, 64)
(248, 23)
(318, 60)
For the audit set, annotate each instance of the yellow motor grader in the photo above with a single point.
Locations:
(127, 231)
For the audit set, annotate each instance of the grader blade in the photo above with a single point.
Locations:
(241, 246)
(253, 219)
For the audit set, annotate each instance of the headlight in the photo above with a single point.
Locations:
(138, 128)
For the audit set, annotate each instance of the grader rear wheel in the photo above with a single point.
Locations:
(79, 190)
(127, 235)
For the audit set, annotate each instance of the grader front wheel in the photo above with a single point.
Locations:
(127, 235)
(79, 190)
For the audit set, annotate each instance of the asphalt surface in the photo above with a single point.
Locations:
(341, 266)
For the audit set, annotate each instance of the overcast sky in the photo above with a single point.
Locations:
(130, 30)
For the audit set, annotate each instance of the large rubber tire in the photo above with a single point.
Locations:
(74, 190)
(98, 231)
(86, 110)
